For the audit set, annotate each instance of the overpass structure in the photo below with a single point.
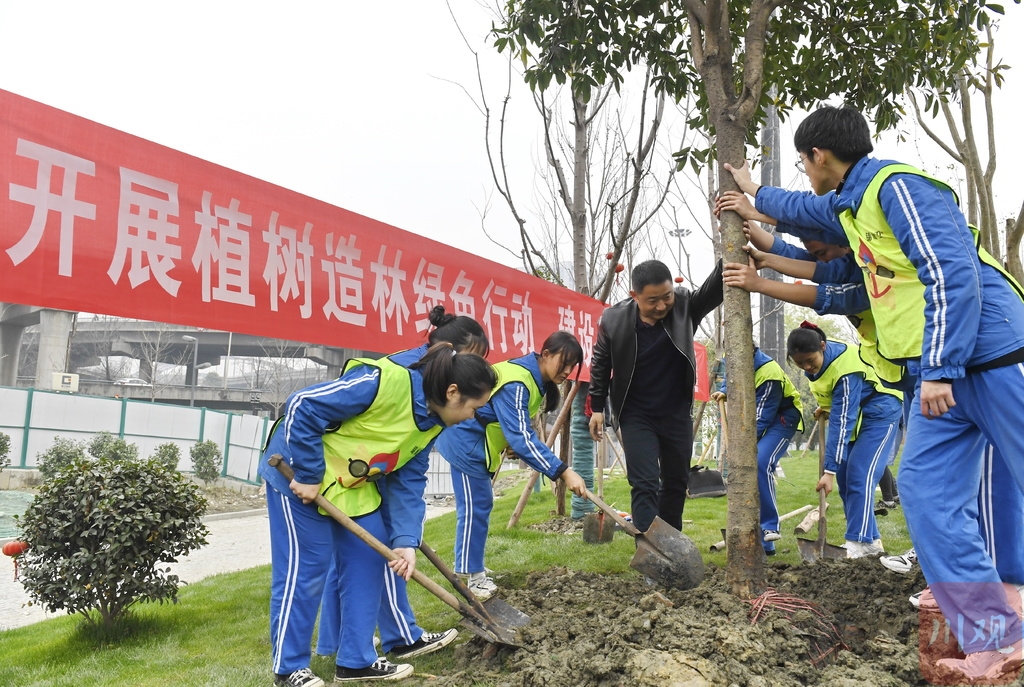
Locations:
(65, 345)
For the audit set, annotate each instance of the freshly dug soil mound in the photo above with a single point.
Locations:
(612, 631)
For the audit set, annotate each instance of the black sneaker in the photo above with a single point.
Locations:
(300, 678)
(429, 642)
(382, 669)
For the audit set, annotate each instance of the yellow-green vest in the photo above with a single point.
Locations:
(895, 290)
(494, 439)
(847, 362)
(887, 370)
(379, 441)
(772, 371)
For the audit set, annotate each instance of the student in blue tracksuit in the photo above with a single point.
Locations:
(841, 290)
(779, 415)
(375, 423)
(473, 448)
(400, 634)
(947, 308)
(863, 421)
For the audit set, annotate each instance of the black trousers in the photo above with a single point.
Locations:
(658, 451)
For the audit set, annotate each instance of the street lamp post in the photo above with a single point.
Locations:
(195, 367)
(679, 234)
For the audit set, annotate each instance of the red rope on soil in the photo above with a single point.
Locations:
(824, 637)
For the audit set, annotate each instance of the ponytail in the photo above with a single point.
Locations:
(441, 367)
(460, 331)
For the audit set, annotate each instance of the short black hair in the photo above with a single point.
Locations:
(842, 130)
(649, 272)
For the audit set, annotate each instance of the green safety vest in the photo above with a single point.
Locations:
(772, 371)
(887, 370)
(895, 290)
(377, 442)
(494, 439)
(847, 362)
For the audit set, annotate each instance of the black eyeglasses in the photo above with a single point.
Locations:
(800, 165)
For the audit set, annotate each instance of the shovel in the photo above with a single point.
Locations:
(595, 529)
(501, 618)
(472, 619)
(812, 550)
(663, 553)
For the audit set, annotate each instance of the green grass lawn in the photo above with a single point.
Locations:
(218, 633)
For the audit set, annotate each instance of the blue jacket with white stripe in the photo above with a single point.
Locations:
(983, 318)
(463, 444)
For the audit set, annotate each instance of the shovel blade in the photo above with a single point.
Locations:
(668, 557)
(597, 529)
(811, 550)
(501, 626)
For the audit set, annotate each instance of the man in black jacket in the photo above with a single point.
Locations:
(643, 363)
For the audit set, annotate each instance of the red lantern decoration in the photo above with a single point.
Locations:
(619, 268)
(679, 280)
(609, 255)
(15, 549)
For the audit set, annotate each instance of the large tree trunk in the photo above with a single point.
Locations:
(745, 572)
(1014, 234)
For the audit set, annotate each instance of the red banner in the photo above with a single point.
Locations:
(93, 219)
(701, 385)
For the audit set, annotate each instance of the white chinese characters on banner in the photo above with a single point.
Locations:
(345, 281)
(43, 201)
(144, 230)
(426, 284)
(388, 297)
(290, 258)
(239, 243)
(222, 240)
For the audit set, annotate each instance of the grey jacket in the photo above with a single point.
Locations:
(614, 357)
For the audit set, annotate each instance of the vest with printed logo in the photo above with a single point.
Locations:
(377, 442)
(893, 285)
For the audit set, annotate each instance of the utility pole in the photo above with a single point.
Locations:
(773, 319)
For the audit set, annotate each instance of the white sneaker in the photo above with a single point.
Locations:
(481, 585)
(858, 549)
(903, 563)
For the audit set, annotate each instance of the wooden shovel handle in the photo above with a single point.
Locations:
(452, 577)
(355, 528)
(614, 514)
(822, 496)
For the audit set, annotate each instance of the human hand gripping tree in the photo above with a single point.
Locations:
(868, 51)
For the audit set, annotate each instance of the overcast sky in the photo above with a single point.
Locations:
(352, 103)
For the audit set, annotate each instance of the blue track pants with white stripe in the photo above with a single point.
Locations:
(474, 498)
(302, 543)
(858, 475)
(940, 479)
(771, 447)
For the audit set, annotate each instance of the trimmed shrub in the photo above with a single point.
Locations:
(63, 452)
(98, 532)
(106, 445)
(206, 460)
(168, 454)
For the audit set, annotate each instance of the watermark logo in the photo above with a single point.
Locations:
(970, 633)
